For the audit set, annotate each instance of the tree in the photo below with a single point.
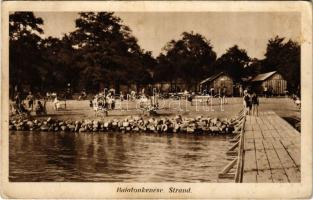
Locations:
(106, 51)
(233, 62)
(188, 59)
(59, 65)
(25, 58)
(253, 68)
(284, 57)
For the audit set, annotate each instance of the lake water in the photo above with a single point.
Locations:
(115, 157)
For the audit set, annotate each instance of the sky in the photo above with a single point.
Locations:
(249, 30)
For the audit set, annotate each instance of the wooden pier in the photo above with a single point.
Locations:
(267, 150)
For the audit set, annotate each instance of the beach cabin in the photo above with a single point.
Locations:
(218, 82)
(272, 82)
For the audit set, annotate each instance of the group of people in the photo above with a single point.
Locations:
(251, 103)
(29, 104)
(103, 102)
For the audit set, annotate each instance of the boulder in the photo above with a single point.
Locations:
(106, 124)
(214, 129)
(82, 130)
(190, 130)
(63, 128)
(125, 124)
(30, 124)
(11, 127)
(71, 127)
(19, 128)
(77, 126)
(44, 127)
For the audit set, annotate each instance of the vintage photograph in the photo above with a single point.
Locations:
(155, 97)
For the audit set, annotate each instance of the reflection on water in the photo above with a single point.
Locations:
(109, 157)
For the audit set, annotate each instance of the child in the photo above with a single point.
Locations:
(255, 104)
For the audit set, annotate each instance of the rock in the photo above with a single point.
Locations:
(11, 127)
(77, 126)
(125, 124)
(44, 127)
(56, 129)
(106, 124)
(159, 128)
(151, 120)
(214, 120)
(82, 130)
(151, 128)
(71, 127)
(49, 119)
(19, 128)
(136, 129)
(214, 129)
(63, 128)
(30, 124)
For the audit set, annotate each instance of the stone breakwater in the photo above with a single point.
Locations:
(176, 124)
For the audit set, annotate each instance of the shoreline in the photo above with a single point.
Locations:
(177, 124)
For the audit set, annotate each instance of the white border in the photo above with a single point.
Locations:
(199, 190)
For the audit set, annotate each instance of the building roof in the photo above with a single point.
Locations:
(263, 77)
(212, 78)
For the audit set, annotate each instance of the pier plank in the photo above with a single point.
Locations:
(261, 160)
(279, 176)
(271, 150)
(250, 177)
(250, 161)
(264, 176)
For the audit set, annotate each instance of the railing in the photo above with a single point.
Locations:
(236, 153)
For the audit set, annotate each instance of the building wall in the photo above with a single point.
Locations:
(277, 83)
(220, 82)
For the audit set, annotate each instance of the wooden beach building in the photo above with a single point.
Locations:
(218, 82)
(271, 81)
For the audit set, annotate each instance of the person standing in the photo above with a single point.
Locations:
(30, 99)
(247, 103)
(255, 104)
(240, 91)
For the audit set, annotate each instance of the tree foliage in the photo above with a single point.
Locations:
(284, 57)
(25, 56)
(107, 52)
(102, 50)
(233, 62)
(188, 59)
